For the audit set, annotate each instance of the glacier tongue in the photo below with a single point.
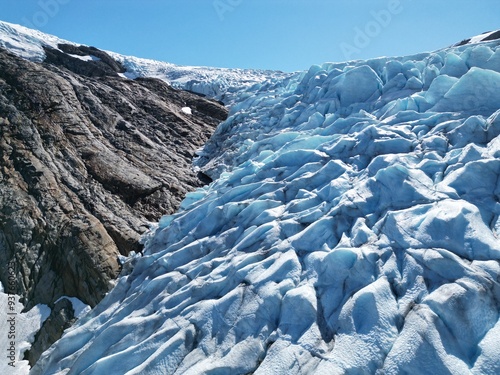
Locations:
(352, 227)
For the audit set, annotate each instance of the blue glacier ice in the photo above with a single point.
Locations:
(352, 227)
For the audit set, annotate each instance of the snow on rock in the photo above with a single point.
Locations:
(352, 227)
(187, 110)
(490, 35)
(79, 307)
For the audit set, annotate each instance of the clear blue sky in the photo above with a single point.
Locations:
(284, 35)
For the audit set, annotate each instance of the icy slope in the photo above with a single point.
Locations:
(352, 229)
(219, 83)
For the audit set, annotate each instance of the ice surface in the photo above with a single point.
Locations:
(477, 90)
(352, 227)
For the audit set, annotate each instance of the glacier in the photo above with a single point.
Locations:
(352, 227)
(223, 84)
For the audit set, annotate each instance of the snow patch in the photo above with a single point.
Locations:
(17, 330)
(79, 307)
(85, 58)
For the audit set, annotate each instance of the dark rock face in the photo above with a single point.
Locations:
(83, 60)
(61, 317)
(493, 36)
(87, 161)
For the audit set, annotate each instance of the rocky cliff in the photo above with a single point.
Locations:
(88, 159)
